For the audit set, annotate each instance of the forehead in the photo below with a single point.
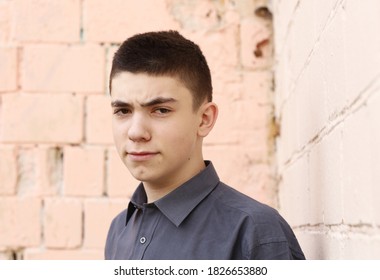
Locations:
(139, 87)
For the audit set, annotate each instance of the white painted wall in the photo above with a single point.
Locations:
(328, 106)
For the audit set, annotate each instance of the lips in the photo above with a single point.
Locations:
(141, 156)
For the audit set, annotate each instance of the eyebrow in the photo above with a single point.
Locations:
(155, 101)
(118, 103)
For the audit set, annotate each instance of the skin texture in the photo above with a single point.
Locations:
(157, 132)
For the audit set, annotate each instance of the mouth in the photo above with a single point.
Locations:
(141, 156)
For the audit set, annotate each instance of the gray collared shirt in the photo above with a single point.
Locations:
(201, 219)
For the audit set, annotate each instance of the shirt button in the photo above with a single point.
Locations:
(142, 240)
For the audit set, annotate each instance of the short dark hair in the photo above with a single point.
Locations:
(166, 53)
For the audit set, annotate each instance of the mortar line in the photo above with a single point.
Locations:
(359, 229)
(345, 112)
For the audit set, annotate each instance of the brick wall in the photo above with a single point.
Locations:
(61, 181)
(327, 102)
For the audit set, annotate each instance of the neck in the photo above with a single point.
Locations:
(156, 190)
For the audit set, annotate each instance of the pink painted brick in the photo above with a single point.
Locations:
(8, 69)
(49, 170)
(99, 120)
(256, 142)
(115, 20)
(26, 181)
(62, 223)
(240, 117)
(199, 15)
(120, 183)
(5, 16)
(255, 179)
(46, 254)
(61, 68)
(256, 43)
(20, 222)
(5, 255)
(98, 217)
(221, 51)
(260, 183)
(39, 171)
(41, 118)
(83, 171)
(8, 170)
(109, 57)
(46, 21)
(258, 86)
(249, 115)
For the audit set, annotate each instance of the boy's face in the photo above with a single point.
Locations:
(155, 128)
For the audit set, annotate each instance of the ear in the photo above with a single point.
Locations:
(208, 114)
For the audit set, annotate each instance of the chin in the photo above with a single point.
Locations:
(140, 174)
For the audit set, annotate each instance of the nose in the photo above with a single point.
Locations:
(138, 129)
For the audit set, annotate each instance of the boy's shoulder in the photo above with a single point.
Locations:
(228, 197)
(261, 222)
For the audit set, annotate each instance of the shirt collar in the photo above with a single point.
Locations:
(179, 203)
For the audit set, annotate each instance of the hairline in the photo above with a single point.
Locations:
(196, 105)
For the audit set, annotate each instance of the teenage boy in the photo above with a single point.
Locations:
(161, 94)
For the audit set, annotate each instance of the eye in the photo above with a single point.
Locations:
(161, 111)
(121, 111)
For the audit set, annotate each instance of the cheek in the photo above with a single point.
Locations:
(117, 135)
(181, 138)
(178, 131)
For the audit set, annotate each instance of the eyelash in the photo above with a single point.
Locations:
(160, 111)
(166, 111)
(120, 112)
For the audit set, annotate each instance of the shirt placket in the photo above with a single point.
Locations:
(149, 223)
